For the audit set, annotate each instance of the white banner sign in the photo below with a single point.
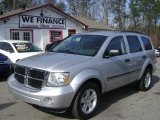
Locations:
(26, 21)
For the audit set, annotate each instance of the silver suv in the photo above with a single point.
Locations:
(77, 71)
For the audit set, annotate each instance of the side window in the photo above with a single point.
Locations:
(146, 43)
(7, 47)
(134, 44)
(1, 45)
(117, 43)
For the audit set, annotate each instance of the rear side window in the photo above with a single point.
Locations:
(1, 45)
(146, 43)
(134, 44)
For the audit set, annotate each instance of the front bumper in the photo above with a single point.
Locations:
(60, 97)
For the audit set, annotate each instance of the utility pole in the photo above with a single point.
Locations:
(14, 4)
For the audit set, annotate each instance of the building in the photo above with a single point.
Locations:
(40, 24)
(93, 25)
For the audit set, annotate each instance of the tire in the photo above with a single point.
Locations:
(146, 80)
(87, 96)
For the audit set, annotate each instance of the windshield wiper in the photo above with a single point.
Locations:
(65, 51)
(69, 51)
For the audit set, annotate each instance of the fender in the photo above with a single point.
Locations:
(146, 63)
(85, 75)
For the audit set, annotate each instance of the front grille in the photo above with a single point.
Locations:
(20, 70)
(20, 78)
(35, 83)
(36, 74)
(30, 77)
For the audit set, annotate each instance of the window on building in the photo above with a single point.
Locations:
(26, 36)
(21, 35)
(15, 35)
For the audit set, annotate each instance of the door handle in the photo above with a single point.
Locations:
(144, 57)
(127, 60)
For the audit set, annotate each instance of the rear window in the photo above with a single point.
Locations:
(146, 43)
(26, 47)
(134, 44)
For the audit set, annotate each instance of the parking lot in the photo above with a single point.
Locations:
(126, 103)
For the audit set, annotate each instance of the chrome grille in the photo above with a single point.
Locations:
(34, 83)
(30, 77)
(36, 74)
(20, 78)
(20, 70)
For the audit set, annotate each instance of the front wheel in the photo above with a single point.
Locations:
(86, 101)
(146, 80)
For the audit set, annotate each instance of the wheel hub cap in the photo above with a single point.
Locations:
(147, 80)
(88, 101)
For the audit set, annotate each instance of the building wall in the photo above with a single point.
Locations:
(41, 37)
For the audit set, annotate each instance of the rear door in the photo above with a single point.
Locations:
(137, 55)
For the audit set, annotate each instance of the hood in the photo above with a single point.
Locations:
(53, 61)
(27, 54)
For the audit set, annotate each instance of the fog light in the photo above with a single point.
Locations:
(48, 101)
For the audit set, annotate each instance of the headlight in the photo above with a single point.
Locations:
(58, 79)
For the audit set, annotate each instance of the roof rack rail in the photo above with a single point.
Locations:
(132, 32)
(95, 30)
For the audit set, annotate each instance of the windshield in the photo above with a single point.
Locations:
(81, 44)
(26, 47)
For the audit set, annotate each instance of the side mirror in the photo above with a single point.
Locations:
(112, 53)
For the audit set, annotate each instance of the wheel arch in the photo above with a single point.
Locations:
(147, 66)
(90, 80)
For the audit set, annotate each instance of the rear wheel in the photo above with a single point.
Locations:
(86, 101)
(146, 80)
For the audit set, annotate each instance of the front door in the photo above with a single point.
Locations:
(55, 35)
(117, 67)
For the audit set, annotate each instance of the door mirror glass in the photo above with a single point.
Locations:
(112, 53)
(116, 47)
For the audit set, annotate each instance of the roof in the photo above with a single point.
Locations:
(93, 24)
(20, 11)
(110, 33)
(13, 41)
(103, 33)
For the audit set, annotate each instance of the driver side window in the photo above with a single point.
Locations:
(117, 43)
